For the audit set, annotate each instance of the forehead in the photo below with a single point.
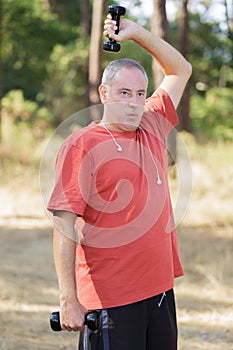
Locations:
(130, 77)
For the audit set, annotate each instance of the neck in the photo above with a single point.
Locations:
(119, 127)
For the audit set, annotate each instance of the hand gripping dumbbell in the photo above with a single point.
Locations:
(116, 12)
(92, 320)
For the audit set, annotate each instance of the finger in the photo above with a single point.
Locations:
(66, 327)
(109, 33)
(110, 25)
(81, 329)
(110, 29)
(71, 328)
(110, 21)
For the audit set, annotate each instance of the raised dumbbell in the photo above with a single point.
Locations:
(116, 12)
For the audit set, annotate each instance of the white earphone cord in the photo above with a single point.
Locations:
(120, 149)
(159, 181)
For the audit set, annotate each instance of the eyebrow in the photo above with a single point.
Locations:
(126, 89)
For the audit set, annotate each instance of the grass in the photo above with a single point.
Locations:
(210, 197)
(205, 294)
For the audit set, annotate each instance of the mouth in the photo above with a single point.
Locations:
(132, 115)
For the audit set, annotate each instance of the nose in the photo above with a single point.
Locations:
(133, 101)
(133, 105)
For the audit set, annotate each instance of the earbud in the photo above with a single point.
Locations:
(159, 181)
(119, 148)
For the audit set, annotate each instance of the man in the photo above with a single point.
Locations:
(111, 183)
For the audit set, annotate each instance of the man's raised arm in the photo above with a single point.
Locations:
(176, 68)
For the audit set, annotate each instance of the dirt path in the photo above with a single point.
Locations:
(28, 289)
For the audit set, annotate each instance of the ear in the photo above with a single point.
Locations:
(103, 93)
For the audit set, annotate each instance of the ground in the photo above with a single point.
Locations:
(28, 288)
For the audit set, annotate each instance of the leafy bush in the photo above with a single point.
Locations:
(19, 115)
(212, 114)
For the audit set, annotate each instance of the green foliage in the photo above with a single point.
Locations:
(209, 49)
(29, 35)
(45, 64)
(24, 129)
(16, 111)
(66, 10)
(16, 107)
(212, 114)
(65, 86)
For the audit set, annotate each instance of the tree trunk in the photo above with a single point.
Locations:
(85, 18)
(85, 8)
(95, 57)
(160, 27)
(229, 19)
(45, 5)
(185, 122)
(1, 78)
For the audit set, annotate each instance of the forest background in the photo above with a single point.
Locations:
(50, 66)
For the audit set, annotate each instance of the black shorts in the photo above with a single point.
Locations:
(149, 324)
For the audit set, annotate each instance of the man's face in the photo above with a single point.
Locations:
(124, 99)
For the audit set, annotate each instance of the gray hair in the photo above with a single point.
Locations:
(113, 67)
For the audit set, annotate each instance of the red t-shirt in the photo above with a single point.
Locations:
(128, 248)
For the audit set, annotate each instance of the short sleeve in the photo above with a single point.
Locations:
(160, 115)
(72, 180)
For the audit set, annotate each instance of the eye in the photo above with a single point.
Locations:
(124, 93)
(141, 94)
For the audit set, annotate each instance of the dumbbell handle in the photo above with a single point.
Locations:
(116, 15)
(91, 320)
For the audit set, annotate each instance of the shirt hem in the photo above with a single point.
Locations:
(129, 300)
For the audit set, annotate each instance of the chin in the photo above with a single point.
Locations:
(129, 126)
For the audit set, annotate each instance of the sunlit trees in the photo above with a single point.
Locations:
(50, 55)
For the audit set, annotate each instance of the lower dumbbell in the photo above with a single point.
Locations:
(92, 320)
